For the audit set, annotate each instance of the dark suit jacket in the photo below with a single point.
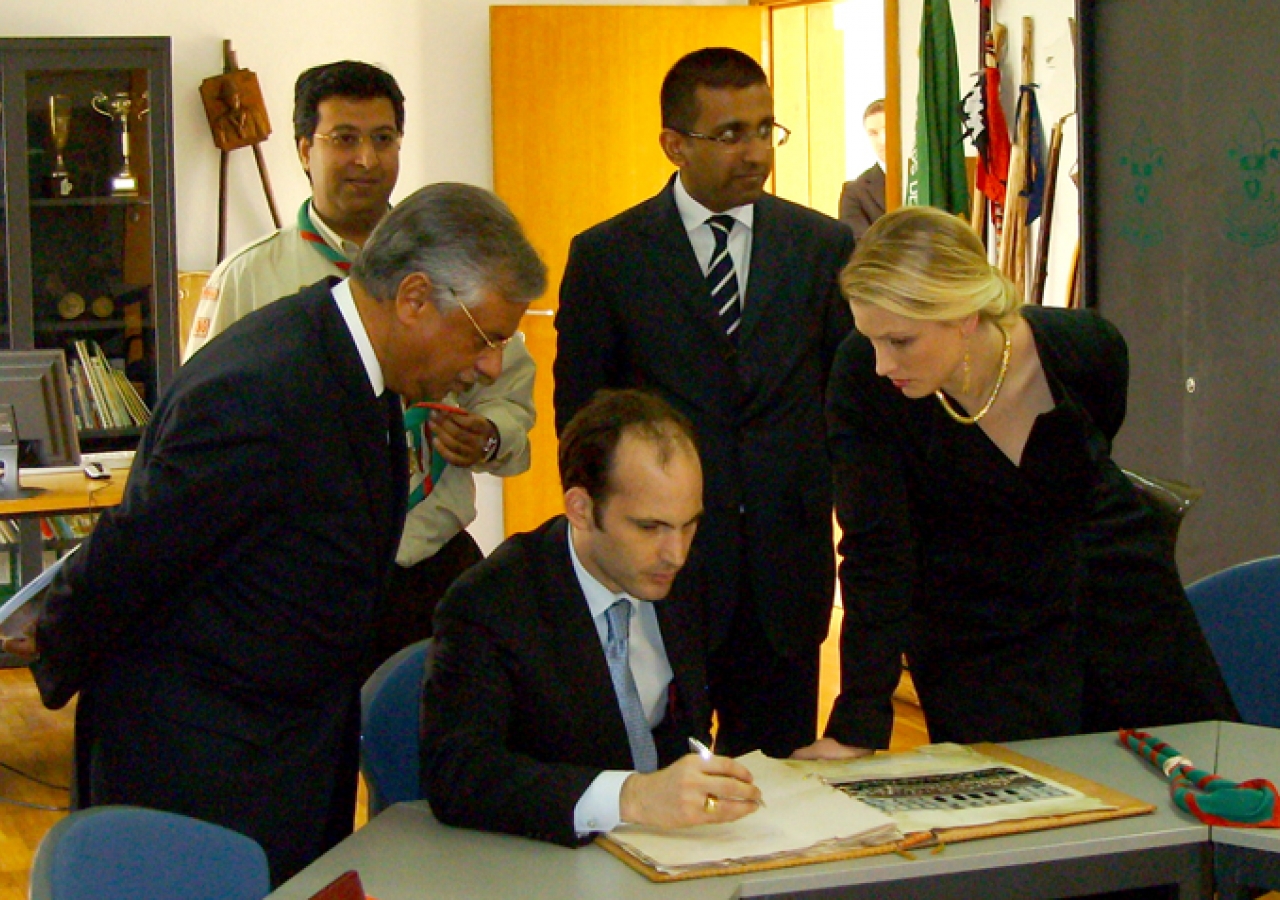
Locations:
(215, 620)
(519, 715)
(635, 311)
(1033, 600)
(862, 200)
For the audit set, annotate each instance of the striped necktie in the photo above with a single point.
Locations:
(644, 754)
(721, 278)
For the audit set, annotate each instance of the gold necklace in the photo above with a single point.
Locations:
(995, 391)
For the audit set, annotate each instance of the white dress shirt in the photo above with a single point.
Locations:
(694, 216)
(598, 809)
(347, 306)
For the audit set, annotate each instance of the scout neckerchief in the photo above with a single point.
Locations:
(313, 237)
(425, 465)
(1210, 798)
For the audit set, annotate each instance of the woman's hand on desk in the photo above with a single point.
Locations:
(677, 796)
(830, 748)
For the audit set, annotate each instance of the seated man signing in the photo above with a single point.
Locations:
(569, 665)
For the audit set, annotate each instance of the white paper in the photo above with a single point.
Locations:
(802, 813)
(19, 610)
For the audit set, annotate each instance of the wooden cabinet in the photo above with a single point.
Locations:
(86, 217)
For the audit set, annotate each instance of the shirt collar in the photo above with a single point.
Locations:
(349, 249)
(347, 306)
(693, 214)
(599, 597)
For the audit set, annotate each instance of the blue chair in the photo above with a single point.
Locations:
(126, 852)
(1239, 611)
(390, 713)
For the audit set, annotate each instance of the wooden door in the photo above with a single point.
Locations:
(575, 141)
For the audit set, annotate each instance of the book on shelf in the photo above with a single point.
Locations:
(103, 395)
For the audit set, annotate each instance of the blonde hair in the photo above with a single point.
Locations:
(926, 264)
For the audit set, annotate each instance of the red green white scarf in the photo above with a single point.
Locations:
(309, 233)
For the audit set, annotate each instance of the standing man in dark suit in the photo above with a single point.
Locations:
(723, 299)
(215, 622)
(564, 674)
(862, 200)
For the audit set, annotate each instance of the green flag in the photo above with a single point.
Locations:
(936, 175)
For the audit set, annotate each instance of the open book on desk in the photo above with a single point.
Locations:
(825, 811)
(803, 815)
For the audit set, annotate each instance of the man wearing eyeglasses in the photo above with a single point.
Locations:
(215, 622)
(348, 120)
(724, 300)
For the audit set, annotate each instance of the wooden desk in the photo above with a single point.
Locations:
(64, 493)
(61, 494)
(405, 854)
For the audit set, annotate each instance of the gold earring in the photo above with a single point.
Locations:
(964, 387)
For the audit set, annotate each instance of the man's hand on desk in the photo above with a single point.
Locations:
(830, 748)
(676, 797)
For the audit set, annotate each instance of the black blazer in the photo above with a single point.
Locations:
(231, 593)
(635, 311)
(1033, 600)
(520, 715)
(862, 200)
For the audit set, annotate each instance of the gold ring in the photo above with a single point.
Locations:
(711, 803)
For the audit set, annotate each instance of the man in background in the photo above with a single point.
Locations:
(348, 119)
(723, 300)
(862, 200)
(569, 665)
(215, 621)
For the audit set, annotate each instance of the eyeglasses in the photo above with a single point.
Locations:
(772, 133)
(498, 346)
(348, 140)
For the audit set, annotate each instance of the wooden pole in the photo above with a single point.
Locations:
(222, 204)
(1015, 210)
(266, 183)
(1046, 213)
(229, 64)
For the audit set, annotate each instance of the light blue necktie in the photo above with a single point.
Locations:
(643, 752)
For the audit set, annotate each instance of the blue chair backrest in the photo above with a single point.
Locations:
(390, 712)
(1239, 611)
(125, 852)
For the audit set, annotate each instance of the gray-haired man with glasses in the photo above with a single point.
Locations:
(348, 120)
(723, 299)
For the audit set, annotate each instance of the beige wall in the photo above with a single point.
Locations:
(437, 49)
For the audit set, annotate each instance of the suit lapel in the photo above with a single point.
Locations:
(666, 244)
(766, 277)
(373, 430)
(566, 611)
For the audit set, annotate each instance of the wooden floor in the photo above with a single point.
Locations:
(37, 742)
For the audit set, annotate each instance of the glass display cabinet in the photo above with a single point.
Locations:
(87, 220)
(86, 225)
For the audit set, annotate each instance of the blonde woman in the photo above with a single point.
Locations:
(987, 533)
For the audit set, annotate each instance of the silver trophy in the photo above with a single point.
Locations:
(118, 106)
(58, 180)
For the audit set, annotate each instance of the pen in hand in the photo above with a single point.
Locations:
(704, 752)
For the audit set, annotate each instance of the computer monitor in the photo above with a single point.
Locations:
(34, 384)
